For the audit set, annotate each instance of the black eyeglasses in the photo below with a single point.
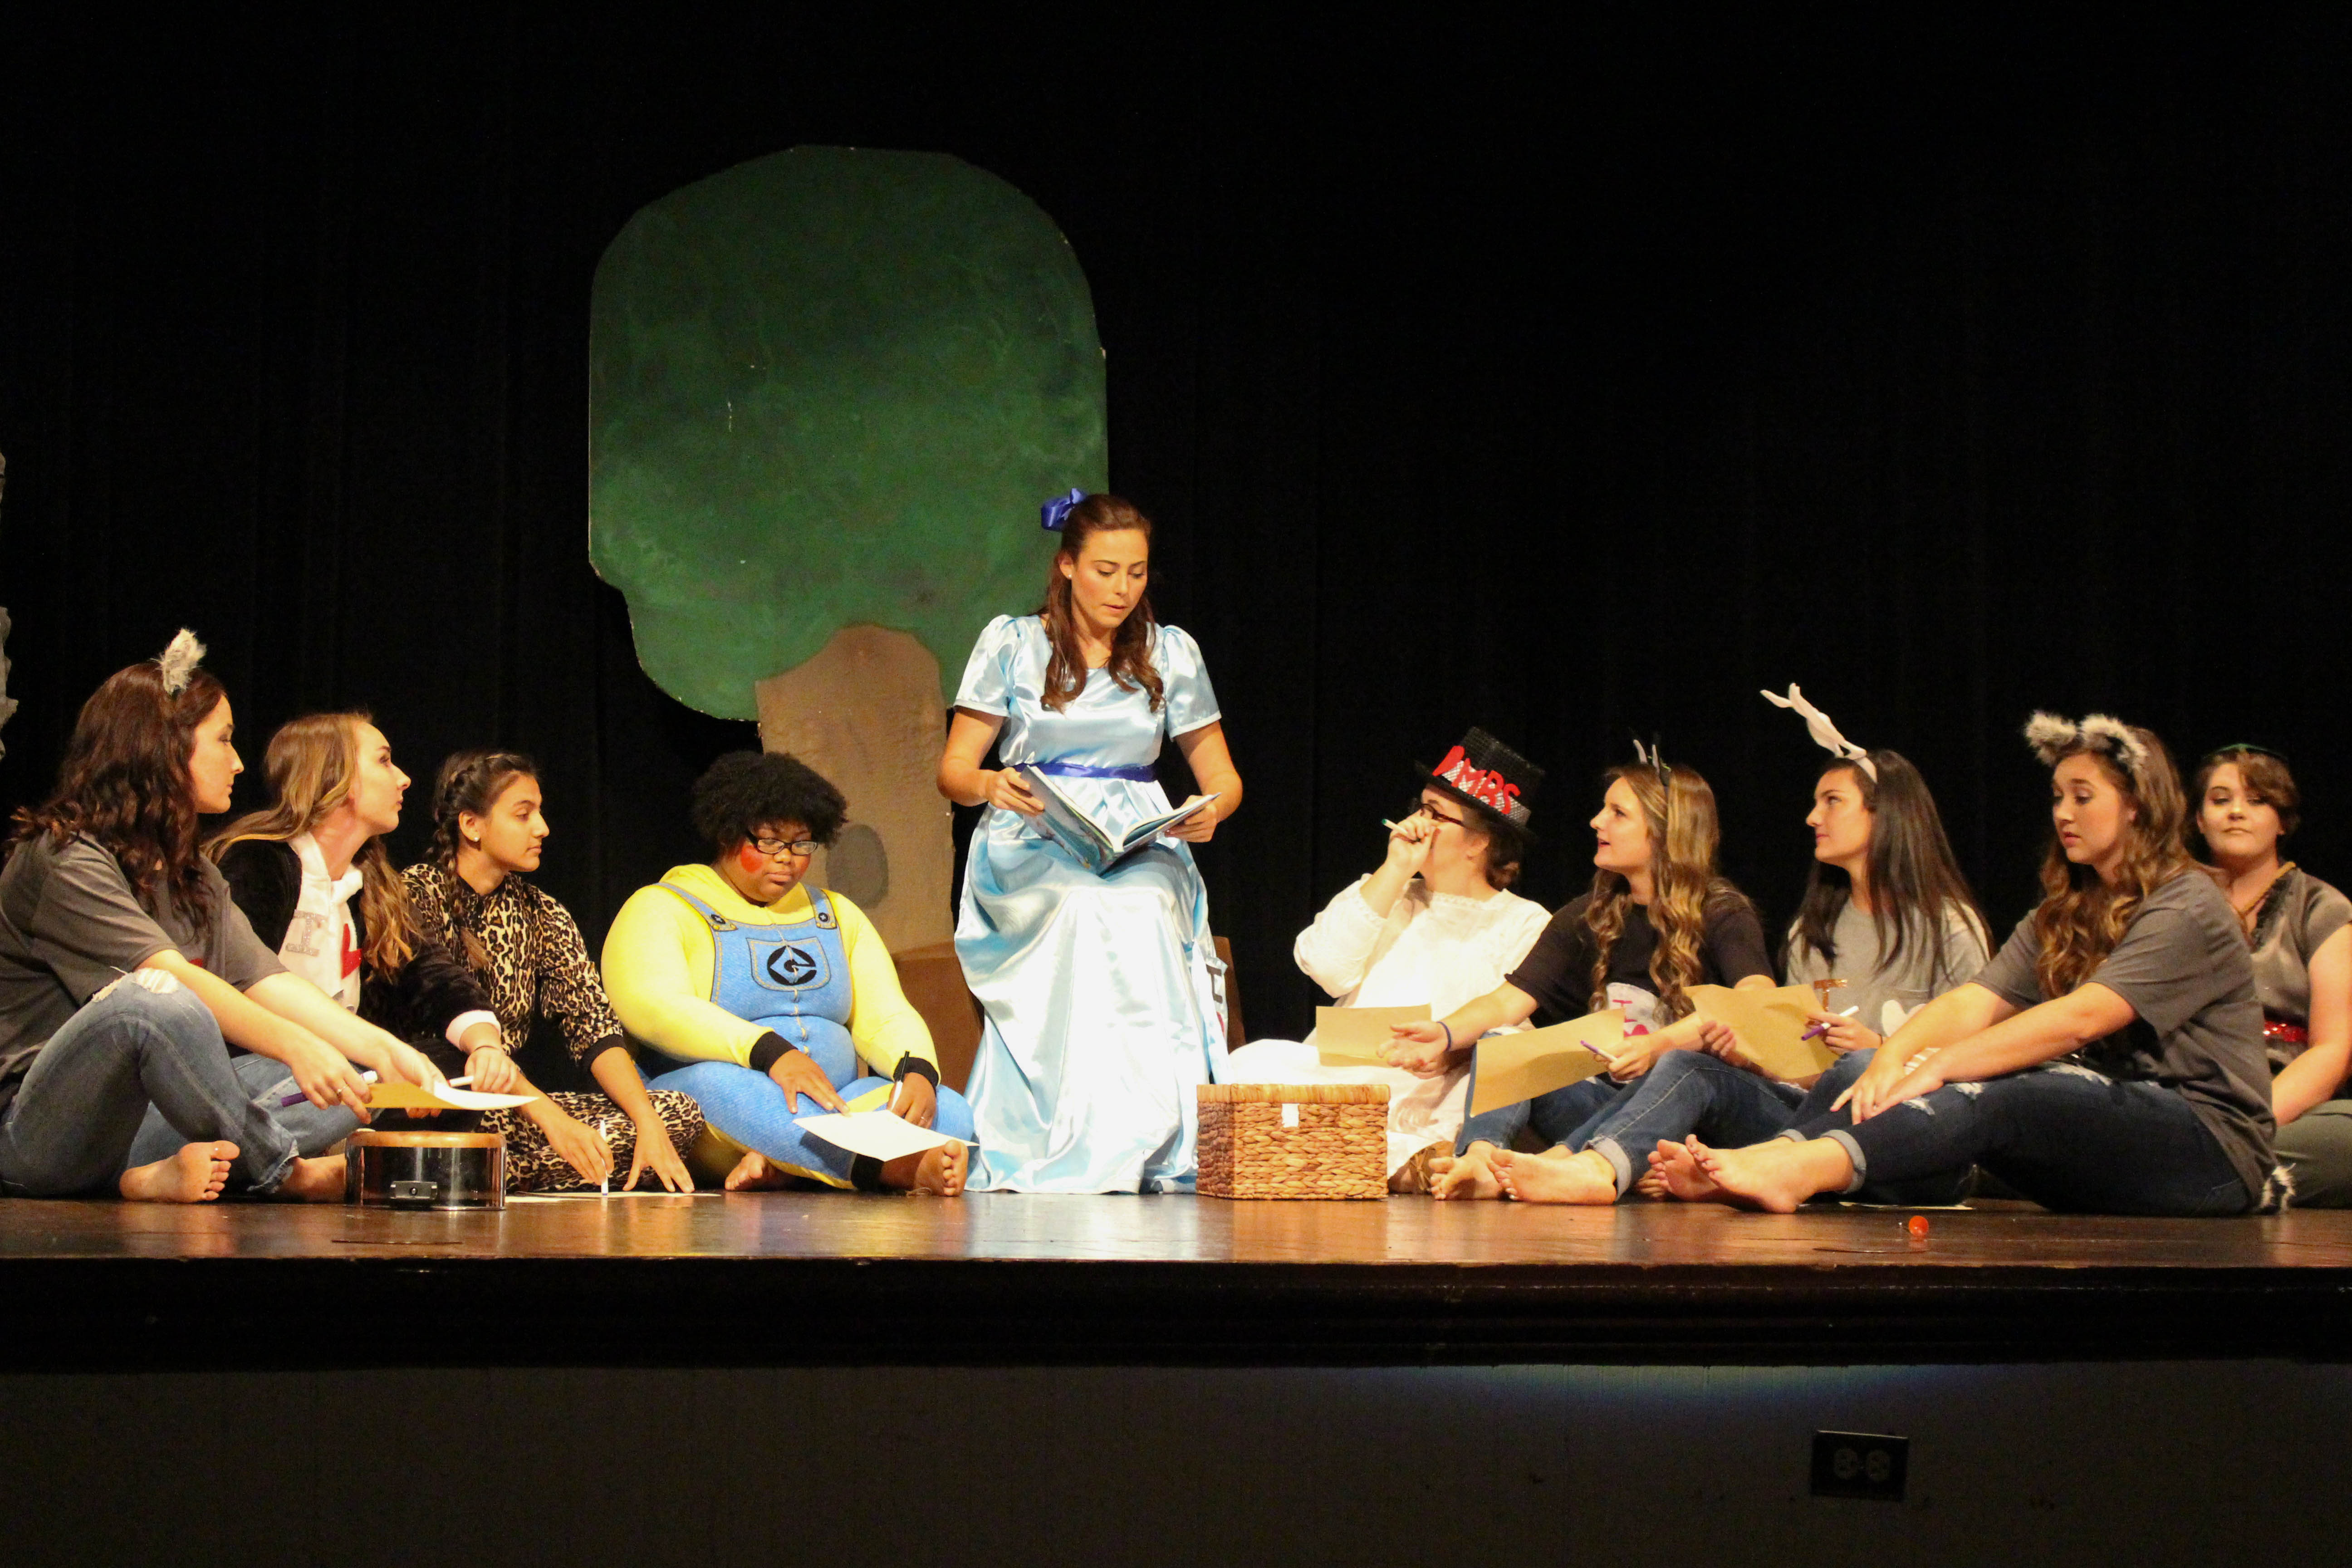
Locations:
(777, 848)
(1430, 811)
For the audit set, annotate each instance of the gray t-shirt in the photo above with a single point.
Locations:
(1923, 971)
(2298, 913)
(2182, 964)
(70, 926)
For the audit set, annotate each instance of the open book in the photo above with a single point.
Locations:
(1091, 844)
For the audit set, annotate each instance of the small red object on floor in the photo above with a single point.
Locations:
(1917, 1226)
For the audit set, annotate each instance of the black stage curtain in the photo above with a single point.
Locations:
(1574, 378)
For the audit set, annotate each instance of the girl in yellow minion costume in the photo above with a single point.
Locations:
(768, 1001)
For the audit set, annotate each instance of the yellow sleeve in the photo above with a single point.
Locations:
(651, 957)
(883, 1024)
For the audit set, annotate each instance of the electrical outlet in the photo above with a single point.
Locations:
(1868, 1465)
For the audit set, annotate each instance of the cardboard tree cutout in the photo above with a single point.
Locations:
(828, 390)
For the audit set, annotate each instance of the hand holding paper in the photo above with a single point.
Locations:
(877, 1134)
(1770, 1026)
(1359, 1037)
(1513, 1067)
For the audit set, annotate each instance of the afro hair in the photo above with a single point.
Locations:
(743, 792)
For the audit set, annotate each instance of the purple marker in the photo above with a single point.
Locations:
(293, 1099)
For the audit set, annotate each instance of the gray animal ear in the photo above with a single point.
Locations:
(2116, 737)
(2049, 735)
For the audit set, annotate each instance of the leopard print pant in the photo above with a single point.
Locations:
(534, 1166)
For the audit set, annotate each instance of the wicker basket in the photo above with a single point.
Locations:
(1294, 1141)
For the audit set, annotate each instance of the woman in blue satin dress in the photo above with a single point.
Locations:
(1103, 995)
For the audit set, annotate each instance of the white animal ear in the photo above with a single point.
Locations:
(179, 661)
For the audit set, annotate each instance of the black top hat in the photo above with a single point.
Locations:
(1486, 774)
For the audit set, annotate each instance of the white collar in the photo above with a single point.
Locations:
(338, 889)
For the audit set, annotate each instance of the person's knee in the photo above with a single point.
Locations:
(150, 1002)
(954, 1115)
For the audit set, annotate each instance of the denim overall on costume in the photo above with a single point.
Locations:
(793, 979)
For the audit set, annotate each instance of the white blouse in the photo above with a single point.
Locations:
(1438, 948)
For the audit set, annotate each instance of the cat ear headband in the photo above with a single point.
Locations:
(1824, 733)
(2051, 737)
(1655, 758)
(178, 662)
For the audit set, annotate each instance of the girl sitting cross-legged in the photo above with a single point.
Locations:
(2109, 1060)
(767, 1000)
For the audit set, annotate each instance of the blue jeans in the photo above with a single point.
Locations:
(268, 1081)
(145, 1039)
(753, 1109)
(1690, 1092)
(2066, 1137)
(1563, 1116)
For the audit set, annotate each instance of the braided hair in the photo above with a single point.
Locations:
(470, 782)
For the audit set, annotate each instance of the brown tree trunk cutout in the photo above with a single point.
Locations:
(865, 712)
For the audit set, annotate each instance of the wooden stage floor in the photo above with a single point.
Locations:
(781, 1278)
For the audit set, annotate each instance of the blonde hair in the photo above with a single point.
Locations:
(310, 765)
(1679, 811)
(2081, 918)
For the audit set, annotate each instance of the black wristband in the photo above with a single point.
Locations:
(768, 1050)
(913, 1066)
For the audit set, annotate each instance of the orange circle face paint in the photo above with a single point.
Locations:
(751, 859)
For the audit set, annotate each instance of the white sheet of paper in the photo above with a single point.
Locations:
(440, 1096)
(878, 1134)
(1355, 1037)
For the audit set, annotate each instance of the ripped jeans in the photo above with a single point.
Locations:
(2068, 1138)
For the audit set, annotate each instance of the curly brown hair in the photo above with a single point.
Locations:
(1683, 881)
(124, 786)
(2081, 918)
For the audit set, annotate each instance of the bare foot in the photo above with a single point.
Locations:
(1413, 1175)
(1464, 1175)
(752, 1173)
(1774, 1176)
(319, 1181)
(1675, 1169)
(1579, 1178)
(935, 1172)
(194, 1176)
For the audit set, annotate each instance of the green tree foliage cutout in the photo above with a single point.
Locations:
(827, 387)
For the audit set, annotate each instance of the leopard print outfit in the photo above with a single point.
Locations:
(526, 950)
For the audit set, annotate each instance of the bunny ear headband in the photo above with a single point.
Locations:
(2051, 737)
(1653, 758)
(178, 662)
(1824, 733)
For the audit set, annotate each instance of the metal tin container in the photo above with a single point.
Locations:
(426, 1170)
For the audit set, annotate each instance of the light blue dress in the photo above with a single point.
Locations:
(1103, 996)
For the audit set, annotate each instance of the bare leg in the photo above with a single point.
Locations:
(935, 1172)
(752, 1173)
(319, 1181)
(1555, 1177)
(1775, 1176)
(1466, 1175)
(194, 1176)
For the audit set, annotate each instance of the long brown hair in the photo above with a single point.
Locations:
(124, 786)
(1684, 832)
(2081, 918)
(1131, 649)
(311, 764)
(1916, 882)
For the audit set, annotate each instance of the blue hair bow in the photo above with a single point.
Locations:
(1056, 512)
